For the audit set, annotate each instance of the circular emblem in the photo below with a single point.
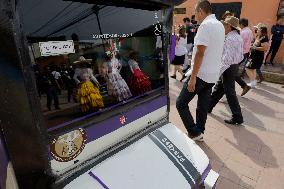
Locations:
(68, 146)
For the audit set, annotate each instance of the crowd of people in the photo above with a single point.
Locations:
(82, 85)
(221, 50)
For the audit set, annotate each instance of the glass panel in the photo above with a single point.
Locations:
(89, 59)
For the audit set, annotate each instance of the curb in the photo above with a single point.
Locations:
(273, 77)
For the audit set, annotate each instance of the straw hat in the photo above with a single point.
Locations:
(232, 21)
(260, 25)
(83, 60)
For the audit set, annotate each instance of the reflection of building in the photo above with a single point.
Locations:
(264, 11)
(89, 49)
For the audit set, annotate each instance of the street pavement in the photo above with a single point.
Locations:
(248, 156)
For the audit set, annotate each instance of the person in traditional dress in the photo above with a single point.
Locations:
(89, 95)
(139, 83)
(116, 85)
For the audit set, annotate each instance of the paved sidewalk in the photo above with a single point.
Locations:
(250, 156)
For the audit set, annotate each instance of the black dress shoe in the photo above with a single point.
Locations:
(233, 122)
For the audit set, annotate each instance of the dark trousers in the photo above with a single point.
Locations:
(242, 65)
(226, 85)
(69, 93)
(52, 95)
(203, 90)
(275, 45)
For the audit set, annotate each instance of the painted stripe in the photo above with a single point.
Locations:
(181, 158)
(99, 180)
(173, 160)
(205, 173)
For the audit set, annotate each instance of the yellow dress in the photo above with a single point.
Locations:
(89, 95)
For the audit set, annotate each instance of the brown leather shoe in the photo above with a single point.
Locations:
(245, 90)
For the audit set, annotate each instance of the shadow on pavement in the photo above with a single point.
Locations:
(245, 138)
(269, 88)
(269, 95)
(226, 174)
(250, 119)
(257, 107)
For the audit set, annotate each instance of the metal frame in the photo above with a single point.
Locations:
(21, 120)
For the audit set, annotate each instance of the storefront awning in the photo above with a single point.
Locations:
(142, 4)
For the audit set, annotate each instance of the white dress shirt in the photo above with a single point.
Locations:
(211, 33)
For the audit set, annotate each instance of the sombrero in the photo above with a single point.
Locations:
(83, 60)
(232, 21)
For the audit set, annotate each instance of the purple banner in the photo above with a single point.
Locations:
(117, 122)
(3, 163)
(172, 47)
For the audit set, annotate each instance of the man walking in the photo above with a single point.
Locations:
(232, 55)
(205, 69)
(277, 37)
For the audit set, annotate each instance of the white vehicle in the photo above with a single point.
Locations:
(102, 122)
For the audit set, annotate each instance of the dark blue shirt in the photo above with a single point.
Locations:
(191, 32)
(277, 31)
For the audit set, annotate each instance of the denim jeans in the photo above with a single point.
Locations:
(203, 90)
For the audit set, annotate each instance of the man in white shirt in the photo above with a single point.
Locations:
(206, 65)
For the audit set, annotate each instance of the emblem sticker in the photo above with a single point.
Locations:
(67, 147)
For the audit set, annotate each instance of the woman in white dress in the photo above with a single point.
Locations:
(180, 53)
(116, 85)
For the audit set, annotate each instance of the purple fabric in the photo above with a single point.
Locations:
(99, 180)
(3, 163)
(172, 47)
(205, 173)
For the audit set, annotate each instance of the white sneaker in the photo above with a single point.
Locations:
(198, 138)
(252, 84)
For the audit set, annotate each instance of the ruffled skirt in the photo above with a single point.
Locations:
(139, 83)
(89, 97)
(117, 87)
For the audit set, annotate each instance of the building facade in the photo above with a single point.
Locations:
(255, 11)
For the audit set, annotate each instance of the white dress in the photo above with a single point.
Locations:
(116, 85)
(181, 47)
